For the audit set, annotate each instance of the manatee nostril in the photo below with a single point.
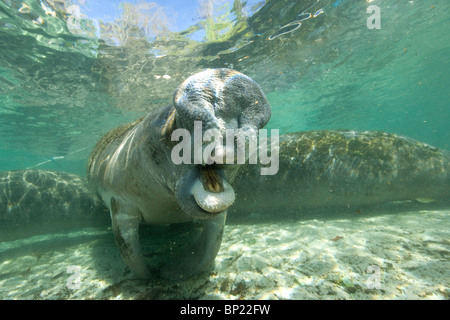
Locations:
(210, 179)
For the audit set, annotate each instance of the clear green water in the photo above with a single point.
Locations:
(64, 80)
(70, 70)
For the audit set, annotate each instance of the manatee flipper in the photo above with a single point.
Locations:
(125, 226)
(200, 255)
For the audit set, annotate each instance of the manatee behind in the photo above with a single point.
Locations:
(34, 202)
(324, 171)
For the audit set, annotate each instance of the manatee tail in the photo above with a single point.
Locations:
(34, 202)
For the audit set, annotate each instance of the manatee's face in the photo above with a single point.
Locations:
(210, 106)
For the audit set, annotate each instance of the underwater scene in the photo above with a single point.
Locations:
(224, 150)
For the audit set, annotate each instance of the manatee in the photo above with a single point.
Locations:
(317, 170)
(34, 202)
(342, 169)
(132, 169)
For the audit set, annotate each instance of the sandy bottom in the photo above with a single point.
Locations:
(401, 256)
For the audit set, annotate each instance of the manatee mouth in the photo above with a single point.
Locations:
(212, 193)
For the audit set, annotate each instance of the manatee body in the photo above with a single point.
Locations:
(33, 202)
(132, 169)
(317, 169)
(324, 169)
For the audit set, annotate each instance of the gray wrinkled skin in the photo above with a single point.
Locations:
(34, 202)
(132, 171)
(342, 169)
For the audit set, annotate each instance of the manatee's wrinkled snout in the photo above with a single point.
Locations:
(223, 110)
(221, 99)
